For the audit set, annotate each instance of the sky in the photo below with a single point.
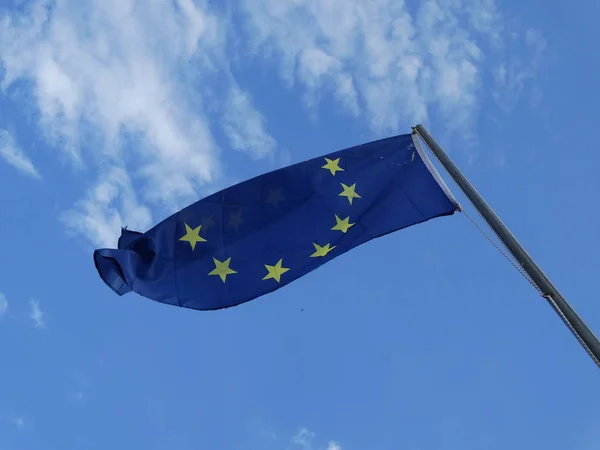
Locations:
(119, 113)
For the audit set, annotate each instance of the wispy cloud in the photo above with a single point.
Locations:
(511, 76)
(114, 82)
(36, 314)
(3, 305)
(305, 439)
(101, 69)
(110, 204)
(394, 64)
(485, 17)
(245, 126)
(15, 156)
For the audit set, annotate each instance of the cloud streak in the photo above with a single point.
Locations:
(245, 126)
(15, 156)
(36, 314)
(305, 440)
(110, 204)
(375, 56)
(512, 76)
(392, 64)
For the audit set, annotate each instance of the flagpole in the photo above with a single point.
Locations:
(560, 305)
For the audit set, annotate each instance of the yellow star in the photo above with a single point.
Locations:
(275, 196)
(222, 269)
(192, 236)
(342, 225)
(333, 165)
(275, 271)
(321, 251)
(349, 192)
(235, 220)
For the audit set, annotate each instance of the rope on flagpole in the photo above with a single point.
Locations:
(503, 251)
(548, 297)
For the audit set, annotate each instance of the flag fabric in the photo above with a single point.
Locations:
(259, 235)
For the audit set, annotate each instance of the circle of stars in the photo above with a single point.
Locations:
(222, 268)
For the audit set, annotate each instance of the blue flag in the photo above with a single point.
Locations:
(257, 236)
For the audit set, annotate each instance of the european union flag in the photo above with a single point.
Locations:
(257, 236)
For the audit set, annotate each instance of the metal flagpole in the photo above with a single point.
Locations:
(581, 331)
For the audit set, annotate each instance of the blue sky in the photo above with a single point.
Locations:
(119, 112)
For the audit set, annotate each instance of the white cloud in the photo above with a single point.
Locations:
(315, 67)
(245, 126)
(512, 76)
(485, 18)
(15, 156)
(109, 205)
(305, 439)
(344, 46)
(36, 314)
(395, 65)
(118, 82)
(102, 68)
(3, 304)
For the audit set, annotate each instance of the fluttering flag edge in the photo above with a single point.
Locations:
(117, 282)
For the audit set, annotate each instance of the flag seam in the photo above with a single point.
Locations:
(433, 170)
